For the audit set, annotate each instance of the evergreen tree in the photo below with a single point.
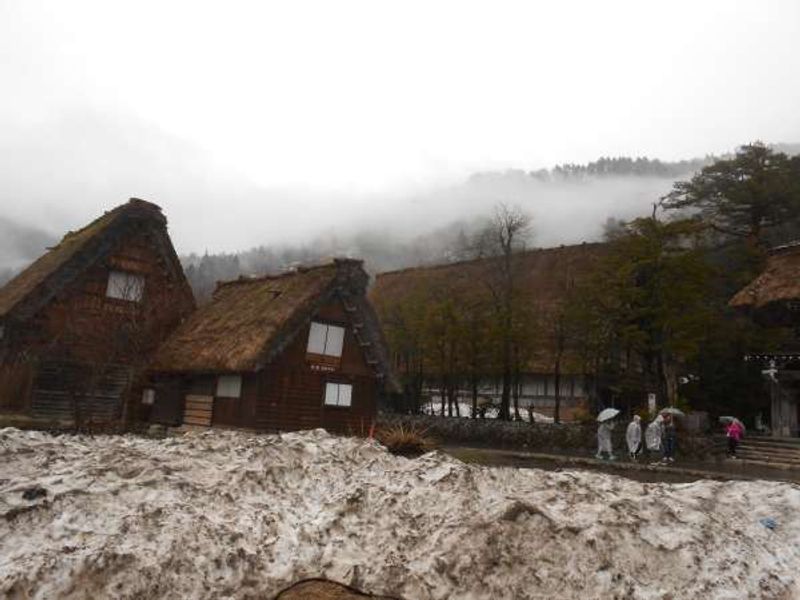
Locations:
(743, 196)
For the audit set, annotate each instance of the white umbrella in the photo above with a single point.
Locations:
(607, 414)
(671, 410)
(732, 420)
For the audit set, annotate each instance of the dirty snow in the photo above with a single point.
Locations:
(234, 515)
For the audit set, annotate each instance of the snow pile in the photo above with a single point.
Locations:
(232, 515)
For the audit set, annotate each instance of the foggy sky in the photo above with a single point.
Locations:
(259, 123)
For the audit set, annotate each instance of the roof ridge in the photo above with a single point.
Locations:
(131, 204)
(468, 261)
(298, 270)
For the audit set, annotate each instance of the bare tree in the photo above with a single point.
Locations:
(500, 240)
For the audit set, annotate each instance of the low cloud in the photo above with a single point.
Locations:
(58, 175)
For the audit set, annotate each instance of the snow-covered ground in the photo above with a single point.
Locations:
(225, 514)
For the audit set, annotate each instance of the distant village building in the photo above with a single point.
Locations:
(544, 278)
(79, 324)
(773, 299)
(293, 351)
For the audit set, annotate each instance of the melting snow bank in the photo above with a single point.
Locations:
(229, 514)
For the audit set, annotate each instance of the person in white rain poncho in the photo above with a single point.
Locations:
(604, 439)
(654, 433)
(633, 436)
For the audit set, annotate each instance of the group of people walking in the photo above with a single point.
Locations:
(660, 437)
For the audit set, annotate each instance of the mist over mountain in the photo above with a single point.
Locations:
(269, 230)
(568, 203)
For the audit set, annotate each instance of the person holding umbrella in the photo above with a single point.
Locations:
(604, 429)
(734, 430)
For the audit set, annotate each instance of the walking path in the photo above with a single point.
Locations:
(677, 472)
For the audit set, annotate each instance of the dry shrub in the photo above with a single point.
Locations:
(405, 440)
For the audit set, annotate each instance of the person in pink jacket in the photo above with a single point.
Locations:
(734, 432)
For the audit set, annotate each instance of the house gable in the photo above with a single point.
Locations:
(60, 305)
(354, 357)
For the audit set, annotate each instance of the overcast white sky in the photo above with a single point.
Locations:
(240, 117)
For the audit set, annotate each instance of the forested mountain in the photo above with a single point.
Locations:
(381, 253)
(622, 166)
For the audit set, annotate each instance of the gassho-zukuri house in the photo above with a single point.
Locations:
(773, 299)
(78, 326)
(294, 351)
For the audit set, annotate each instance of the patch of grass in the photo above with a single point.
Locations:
(405, 441)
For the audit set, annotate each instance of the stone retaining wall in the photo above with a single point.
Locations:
(540, 437)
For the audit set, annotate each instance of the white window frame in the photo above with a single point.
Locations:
(124, 285)
(148, 396)
(325, 339)
(338, 394)
(229, 386)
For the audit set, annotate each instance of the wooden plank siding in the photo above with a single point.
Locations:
(292, 393)
(198, 410)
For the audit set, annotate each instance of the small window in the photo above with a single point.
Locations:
(338, 394)
(325, 339)
(148, 396)
(229, 386)
(125, 286)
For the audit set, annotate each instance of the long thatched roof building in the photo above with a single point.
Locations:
(543, 279)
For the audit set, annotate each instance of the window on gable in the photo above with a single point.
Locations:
(229, 386)
(327, 340)
(338, 394)
(148, 396)
(125, 286)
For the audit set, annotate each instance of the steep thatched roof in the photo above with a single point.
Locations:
(779, 282)
(545, 276)
(77, 250)
(544, 273)
(250, 320)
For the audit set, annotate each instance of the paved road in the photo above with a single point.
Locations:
(678, 472)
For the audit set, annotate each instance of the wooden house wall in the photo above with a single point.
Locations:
(293, 393)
